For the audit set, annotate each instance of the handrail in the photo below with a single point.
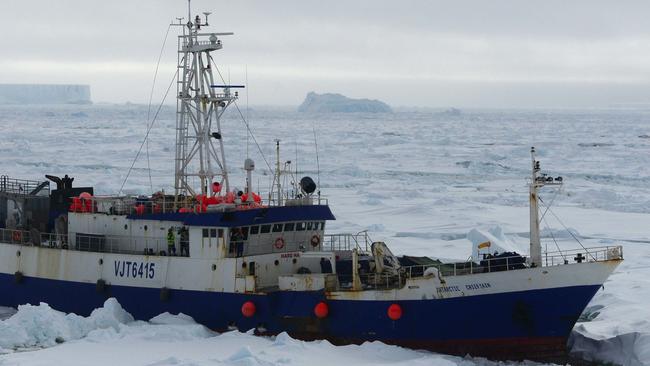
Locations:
(556, 258)
(346, 241)
(93, 243)
(129, 205)
(22, 186)
(387, 281)
(335, 242)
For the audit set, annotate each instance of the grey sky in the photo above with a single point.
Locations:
(407, 53)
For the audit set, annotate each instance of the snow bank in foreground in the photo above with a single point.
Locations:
(42, 326)
(236, 349)
(499, 243)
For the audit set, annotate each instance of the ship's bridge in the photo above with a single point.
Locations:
(142, 225)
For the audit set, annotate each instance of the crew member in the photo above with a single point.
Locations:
(237, 241)
(171, 242)
(185, 242)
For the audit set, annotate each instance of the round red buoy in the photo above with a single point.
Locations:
(248, 309)
(321, 310)
(394, 312)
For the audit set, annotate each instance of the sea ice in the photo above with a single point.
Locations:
(421, 181)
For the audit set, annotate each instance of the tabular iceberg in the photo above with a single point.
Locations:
(44, 94)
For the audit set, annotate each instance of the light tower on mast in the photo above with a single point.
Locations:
(200, 158)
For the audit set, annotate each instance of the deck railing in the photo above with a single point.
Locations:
(93, 243)
(23, 186)
(344, 242)
(556, 258)
(387, 281)
(128, 205)
(595, 254)
(331, 242)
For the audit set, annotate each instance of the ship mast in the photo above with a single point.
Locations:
(537, 181)
(199, 109)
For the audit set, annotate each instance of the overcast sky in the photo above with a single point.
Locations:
(407, 53)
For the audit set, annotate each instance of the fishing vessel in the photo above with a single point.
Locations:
(239, 259)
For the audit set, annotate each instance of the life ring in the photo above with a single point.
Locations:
(315, 240)
(17, 236)
(279, 243)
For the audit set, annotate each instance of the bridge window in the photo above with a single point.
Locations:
(212, 233)
(255, 230)
(265, 229)
(300, 226)
(309, 224)
(288, 226)
(277, 228)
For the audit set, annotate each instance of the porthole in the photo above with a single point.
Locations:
(146, 228)
(126, 227)
(277, 262)
(214, 267)
(243, 265)
(18, 253)
(101, 261)
(295, 261)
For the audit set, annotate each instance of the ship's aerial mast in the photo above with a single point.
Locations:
(198, 112)
(537, 181)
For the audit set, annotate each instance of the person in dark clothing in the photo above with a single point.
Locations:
(185, 242)
(237, 241)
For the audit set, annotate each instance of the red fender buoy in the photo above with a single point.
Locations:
(248, 309)
(321, 310)
(394, 312)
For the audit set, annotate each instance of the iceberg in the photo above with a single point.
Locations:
(44, 94)
(337, 103)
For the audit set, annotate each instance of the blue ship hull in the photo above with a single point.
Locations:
(528, 324)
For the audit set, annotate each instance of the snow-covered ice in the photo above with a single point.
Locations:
(426, 183)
